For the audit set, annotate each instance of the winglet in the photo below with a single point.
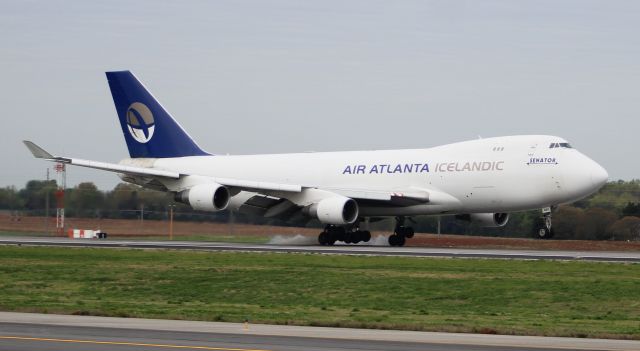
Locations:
(37, 151)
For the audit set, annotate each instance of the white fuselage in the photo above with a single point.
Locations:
(502, 174)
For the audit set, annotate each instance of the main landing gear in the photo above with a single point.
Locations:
(333, 233)
(401, 233)
(354, 235)
(544, 228)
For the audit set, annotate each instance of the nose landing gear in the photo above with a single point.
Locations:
(544, 229)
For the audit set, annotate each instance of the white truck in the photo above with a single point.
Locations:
(87, 234)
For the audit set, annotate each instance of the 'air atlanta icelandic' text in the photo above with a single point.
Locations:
(479, 166)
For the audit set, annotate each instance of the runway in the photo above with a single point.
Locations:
(606, 256)
(27, 331)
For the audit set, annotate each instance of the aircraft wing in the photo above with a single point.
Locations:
(39, 152)
(144, 172)
(288, 206)
(271, 199)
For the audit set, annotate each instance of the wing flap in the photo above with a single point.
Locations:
(112, 167)
(256, 185)
(380, 195)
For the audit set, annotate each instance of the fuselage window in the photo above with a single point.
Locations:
(563, 145)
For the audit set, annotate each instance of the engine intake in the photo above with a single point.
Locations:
(334, 210)
(210, 197)
(487, 220)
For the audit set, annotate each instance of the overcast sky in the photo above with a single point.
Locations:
(286, 76)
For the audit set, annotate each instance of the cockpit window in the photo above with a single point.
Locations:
(562, 145)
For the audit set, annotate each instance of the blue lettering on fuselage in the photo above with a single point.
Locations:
(385, 168)
(542, 161)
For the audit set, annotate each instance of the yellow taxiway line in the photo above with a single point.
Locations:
(188, 347)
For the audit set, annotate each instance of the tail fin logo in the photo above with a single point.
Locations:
(140, 122)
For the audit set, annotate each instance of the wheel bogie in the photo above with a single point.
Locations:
(396, 240)
(331, 234)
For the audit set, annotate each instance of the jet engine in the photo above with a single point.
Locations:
(205, 197)
(487, 220)
(334, 210)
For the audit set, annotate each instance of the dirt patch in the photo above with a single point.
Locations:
(129, 228)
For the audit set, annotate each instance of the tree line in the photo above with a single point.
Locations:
(611, 214)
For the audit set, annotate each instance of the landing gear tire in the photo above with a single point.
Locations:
(357, 236)
(543, 233)
(365, 236)
(350, 238)
(408, 232)
(401, 233)
(335, 234)
(396, 240)
(323, 238)
(544, 228)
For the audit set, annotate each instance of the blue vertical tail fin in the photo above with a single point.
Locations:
(148, 128)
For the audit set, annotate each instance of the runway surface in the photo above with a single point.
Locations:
(30, 331)
(338, 249)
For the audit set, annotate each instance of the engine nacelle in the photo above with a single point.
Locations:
(205, 197)
(487, 220)
(334, 210)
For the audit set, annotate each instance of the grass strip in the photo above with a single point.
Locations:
(553, 298)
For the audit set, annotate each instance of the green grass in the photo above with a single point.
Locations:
(584, 299)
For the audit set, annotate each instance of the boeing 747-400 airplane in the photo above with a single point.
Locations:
(478, 180)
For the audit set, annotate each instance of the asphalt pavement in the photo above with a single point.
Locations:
(27, 331)
(608, 256)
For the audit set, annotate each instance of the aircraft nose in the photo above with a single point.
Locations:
(599, 175)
